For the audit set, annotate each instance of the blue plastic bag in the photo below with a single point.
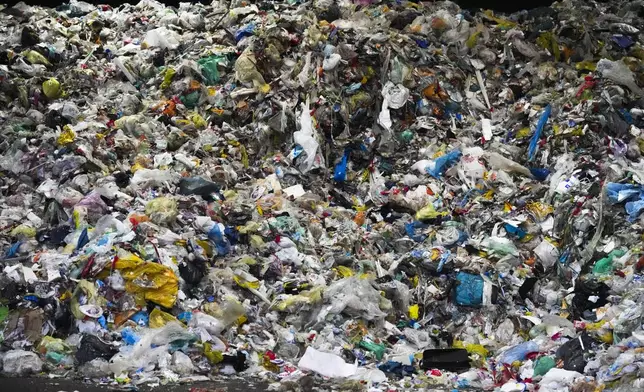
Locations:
(469, 291)
(444, 259)
(514, 230)
(11, 252)
(185, 317)
(221, 242)
(519, 352)
(398, 368)
(633, 194)
(534, 142)
(618, 193)
(539, 173)
(245, 31)
(83, 239)
(231, 234)
(410, 229)
(129, 337)
(340, 171)
(634, 209)
(141, 319)
(444, 162)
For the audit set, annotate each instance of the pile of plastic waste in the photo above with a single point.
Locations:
(386, 195)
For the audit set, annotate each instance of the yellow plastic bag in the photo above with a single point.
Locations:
(503, 24)
(160, 318)
(246, 280)
(246, 72)
(304, 298)
(67, 136)
(199, 121)
(88, 290)
(228, 312)
(35, 58)
(472, 348)
(51, 88)
(167, 77)
(428, 212)
(413, 312)
(23, 231)
(256, 241)
(52, 344)
(162, 210)
(213, 356)
(345, 272)
(151, 281)
(540, 210)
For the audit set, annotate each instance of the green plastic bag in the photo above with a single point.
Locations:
(604, 266)
(4, 312)
(209, 68)
(51, 88)
(377, 349)
(542, 365)
(190, 100)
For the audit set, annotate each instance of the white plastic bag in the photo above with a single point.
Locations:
(557, 380)
(20, 363)
(547, 253)
(305, 138)
(147, 178)
(355, 297)
(181, 363)
(207, 322)
(326, 364)
(161, 38)
(618, 72)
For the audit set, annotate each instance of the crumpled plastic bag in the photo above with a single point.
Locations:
(21, 363)
(618, 72)
(355, 297)
(161, 37)
(162, 210)
(153, 282)
(147, 178)
(182, 364)
(151, 349)
(246, 72)
(305, 138)
(51, 88)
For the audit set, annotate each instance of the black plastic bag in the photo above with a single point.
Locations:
(191, 272)
(572, 353)
(584, 289)
(197, 186)
(91, 348)
(451, 359)
(238, 361)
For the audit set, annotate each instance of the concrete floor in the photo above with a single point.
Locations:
(64, 385)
